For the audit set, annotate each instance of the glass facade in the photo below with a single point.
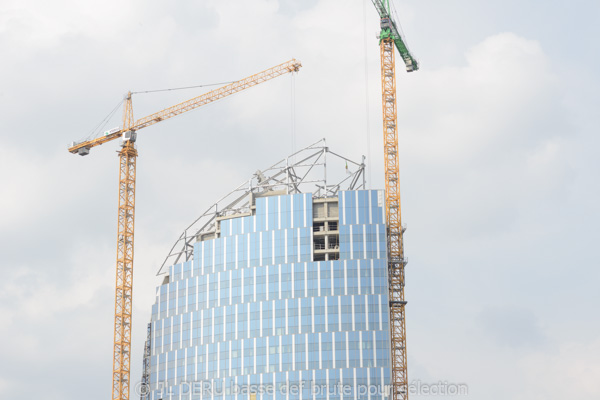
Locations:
(288, 302)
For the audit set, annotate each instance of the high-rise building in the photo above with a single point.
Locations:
(277, 292)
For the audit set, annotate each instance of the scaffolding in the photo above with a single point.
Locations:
(305, 171)
(145, 384)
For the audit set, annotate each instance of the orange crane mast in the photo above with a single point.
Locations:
(126, 211)
(390, 40)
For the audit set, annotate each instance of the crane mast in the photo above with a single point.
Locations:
(391, 39)
(126, 211)
(124, 275)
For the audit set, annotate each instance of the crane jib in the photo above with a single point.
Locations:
(389, 29)
(290, 66)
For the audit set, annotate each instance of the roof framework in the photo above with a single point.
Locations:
(305, 171)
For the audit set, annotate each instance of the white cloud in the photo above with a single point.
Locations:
(493, 147)
(35, 25)
(489, 156)
(489, 151)
(33, 295)
(511, 327)
(571, 371)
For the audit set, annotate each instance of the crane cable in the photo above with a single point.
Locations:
(102, 124)
(95, 132)
(399, 25)
(367, 106)
(182, 88)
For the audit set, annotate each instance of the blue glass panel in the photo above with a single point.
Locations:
(286, 212)
(249, 284)
(261, 283)
(230, 252)
(367, 349)
(349, 208)
(359, 313)
(236, 286)
(260, 214)
(319, 314)
(242, 321)
(358, 242)
(313, 279)
(341, 207)
(293, 314)
(236, 325)
(340, 350)
(305, 244)
(309, 209)
(299, 283)
(346, 313)
(242, 253)
(208, 256)
(254, 320)
(267, 318)
(224, 288)
(224, 226)
(354, 346)
(325, 276)
(261, 355)
(273, 217)
(254, 249)
(286, 281)
(279, 247)
(273, 282)
(313, 350)
(382, 241)
(375, 209)
(292, 244)
(339, 280)
(267, 248)
(326, 350)
(333, 317)
(306, 315)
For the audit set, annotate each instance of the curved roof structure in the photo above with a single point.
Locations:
(305, 171)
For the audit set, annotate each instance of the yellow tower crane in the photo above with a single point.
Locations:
(391, 39)
(127, 162)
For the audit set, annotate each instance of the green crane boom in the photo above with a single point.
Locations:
(389, 29)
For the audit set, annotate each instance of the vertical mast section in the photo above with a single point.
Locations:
(396, 261)
(124, 276)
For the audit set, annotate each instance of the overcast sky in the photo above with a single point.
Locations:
(499, 165)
